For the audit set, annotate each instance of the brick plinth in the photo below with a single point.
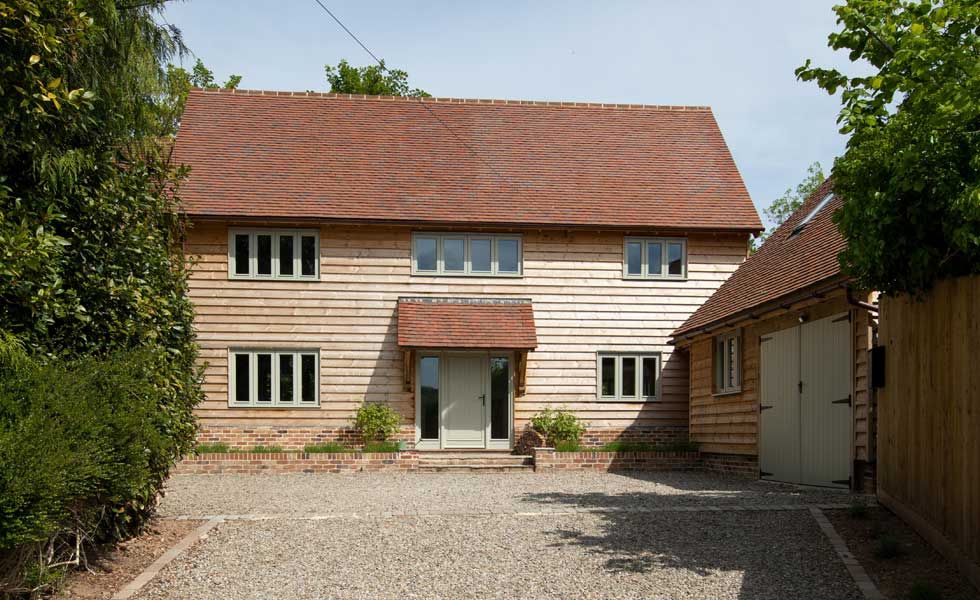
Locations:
(740, 465)
(298, 462)
(599, 436)
(546, 459)
(290, 438)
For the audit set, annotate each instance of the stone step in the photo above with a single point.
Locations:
(474, 468)
(505, 461)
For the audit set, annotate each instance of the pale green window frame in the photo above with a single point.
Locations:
(276, 355)
(297, 236)
(727, 363)
(648, 271)
(620, 385)
(467, 239)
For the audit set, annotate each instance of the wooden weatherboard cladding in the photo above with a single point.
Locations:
(581, 305)
(729, 423)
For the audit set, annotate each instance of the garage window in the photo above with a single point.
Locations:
(728, 363)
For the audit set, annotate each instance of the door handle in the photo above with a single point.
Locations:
(483, 399)
(761, 408)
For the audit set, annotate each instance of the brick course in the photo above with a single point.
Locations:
(290, 438)
(298, 462)
(546, 459)
(741, 465)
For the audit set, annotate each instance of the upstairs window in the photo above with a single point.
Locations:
(728, 364)
(655, 258)
(472, 254)
(628, 377)
(273, 254)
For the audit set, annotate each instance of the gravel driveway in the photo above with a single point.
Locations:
(577, 535)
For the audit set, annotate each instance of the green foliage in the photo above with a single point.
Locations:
(92, 278)
(376, 422)
(218, 448)
(924, 590)
(782, 207)
(568, 446)
(328, 448)
(887, 547)
(858, 509)
(558, 425)
(260, 449)
(84, 449)
(910, 175)
(381, 447)
(373, 79)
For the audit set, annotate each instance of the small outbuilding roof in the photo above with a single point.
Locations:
(449, 161)
(427, 322)
(800, 253)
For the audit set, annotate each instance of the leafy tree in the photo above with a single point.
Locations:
(782, 207)
(90, 254)
(178, 83)
(373, 79)
(910, 175)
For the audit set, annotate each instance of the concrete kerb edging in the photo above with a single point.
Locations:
(857, 572)
(134, 586)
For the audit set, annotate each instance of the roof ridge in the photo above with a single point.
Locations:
(447, 100)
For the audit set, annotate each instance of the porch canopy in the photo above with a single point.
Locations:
(490, 323)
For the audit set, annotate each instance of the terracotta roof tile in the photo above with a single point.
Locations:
(784, 264)
(372, 158)
(466, 323)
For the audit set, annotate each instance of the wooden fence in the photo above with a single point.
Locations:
(929, 417)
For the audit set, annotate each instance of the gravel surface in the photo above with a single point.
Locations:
(717, 555)
(452, 493)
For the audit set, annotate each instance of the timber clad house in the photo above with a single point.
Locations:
(468, 262)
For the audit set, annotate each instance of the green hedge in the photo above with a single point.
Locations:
(84, 449)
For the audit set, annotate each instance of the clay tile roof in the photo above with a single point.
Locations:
(466, 323)
(504, 162)
(784, 264)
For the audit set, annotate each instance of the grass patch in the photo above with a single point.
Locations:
(218, 448)
(328, 448)
(568, 446)
(266, 449)
(887, 547)
(381, 447)
(923, 590)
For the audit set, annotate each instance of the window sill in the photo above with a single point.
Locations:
(470, 275)
(727, 393)
(278, 407)
(307, 279)
(640, 278)
(608, 400)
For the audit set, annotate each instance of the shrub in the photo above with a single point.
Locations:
(558, 426)
(923, 590)
(858, 510)
(888, 547)
(376, 422)
(84, 447)
(328, 448)
(260, 449)
(567, 446)
(217, 448)
(381, 447)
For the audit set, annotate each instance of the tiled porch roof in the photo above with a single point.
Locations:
(466, 323)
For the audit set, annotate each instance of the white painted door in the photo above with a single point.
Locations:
(463, 408)
(779, 448)
(825, 401)
(805, 403)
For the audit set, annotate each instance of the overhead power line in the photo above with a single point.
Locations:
(421, 102)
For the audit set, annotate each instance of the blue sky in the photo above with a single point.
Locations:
(736, 56)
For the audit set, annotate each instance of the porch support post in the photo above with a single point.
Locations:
(521, 372)
(408, 369)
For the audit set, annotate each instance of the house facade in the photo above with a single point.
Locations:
(780, 382)
(467, 262)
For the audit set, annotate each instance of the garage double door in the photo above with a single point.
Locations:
(805, 403)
